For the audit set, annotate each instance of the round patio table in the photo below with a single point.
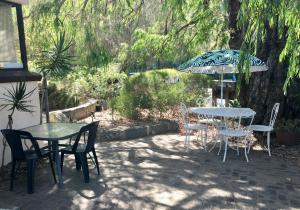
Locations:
(227, 112)
(223, 113)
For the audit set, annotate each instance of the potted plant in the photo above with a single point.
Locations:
(15, 99)
(288, 132)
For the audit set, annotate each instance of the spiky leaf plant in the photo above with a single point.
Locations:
(16, 98)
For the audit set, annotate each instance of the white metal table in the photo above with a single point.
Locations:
(227, 112)
(223, 112)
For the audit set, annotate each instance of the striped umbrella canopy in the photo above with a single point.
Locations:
(220, 61)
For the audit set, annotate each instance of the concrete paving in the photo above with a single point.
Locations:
(156, 173)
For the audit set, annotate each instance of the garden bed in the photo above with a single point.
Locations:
(121, 128)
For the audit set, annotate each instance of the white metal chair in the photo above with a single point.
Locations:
(267, 128)
(234, 130)
(189, 127)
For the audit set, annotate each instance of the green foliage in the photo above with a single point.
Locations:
(106, 83)
(101, 83)
(56, 62)
(138, 34)
(17, 98)
(159, 91)
(60, 98)
(234, 103)
(257, 16)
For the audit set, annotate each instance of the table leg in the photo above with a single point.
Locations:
(57, 163)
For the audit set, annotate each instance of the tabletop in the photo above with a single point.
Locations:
(223, 111)
(54, 131)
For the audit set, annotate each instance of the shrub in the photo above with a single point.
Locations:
(60, 99)
(159, 91)
(99, 83)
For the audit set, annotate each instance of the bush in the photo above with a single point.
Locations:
(159, 91)
(60, 99)
(98, 83)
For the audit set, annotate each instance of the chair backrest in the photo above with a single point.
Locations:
(14, 140)
(185, 113)
(242, 120)
(91, 129)
(274, 114)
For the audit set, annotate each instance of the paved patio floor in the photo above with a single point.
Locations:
(156, 173)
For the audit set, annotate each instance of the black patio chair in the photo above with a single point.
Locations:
(81, 150)
(14, 139)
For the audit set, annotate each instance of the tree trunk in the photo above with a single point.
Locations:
(236, 34)
(264, 88)
(44, 100)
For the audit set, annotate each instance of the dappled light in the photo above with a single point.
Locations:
(156, 172)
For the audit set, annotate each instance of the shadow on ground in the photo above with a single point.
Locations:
(156, 173)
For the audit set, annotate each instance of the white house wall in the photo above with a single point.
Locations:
(20, 119)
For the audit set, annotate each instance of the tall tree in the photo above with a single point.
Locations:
(270, 31)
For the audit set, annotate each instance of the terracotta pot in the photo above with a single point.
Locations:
(288, 138)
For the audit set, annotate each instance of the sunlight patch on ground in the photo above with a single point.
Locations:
(216, 192)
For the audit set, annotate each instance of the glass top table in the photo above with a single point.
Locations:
(54, 132)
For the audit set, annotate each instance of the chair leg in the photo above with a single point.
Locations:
(12, 175)
(246, 154)
(249, 147)
(237, 147)
(205, 141)
(52, 168)
(225, 152)
(62, 157)
(215, 136)
(77, 162)
(220, 146)
(30, 175)
(96, 160)
(186, 139)
(268, 143)
(85, 168)
(189, 141)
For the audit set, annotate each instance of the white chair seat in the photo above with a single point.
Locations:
(195, 126)
(234, 132)
(261, 128)
(209, 121)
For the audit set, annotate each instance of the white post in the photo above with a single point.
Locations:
(222, 105)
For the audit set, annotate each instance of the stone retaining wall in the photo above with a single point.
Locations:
(125, 133)
(75, 113)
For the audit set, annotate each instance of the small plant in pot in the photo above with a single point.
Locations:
(288, 132)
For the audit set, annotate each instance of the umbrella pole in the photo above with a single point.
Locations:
(222, 105)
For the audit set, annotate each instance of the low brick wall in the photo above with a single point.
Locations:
(125, 133)
(75, 113)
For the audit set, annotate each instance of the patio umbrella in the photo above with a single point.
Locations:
(220, 62)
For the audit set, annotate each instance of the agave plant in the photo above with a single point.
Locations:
(16, 98)
(55, 62)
